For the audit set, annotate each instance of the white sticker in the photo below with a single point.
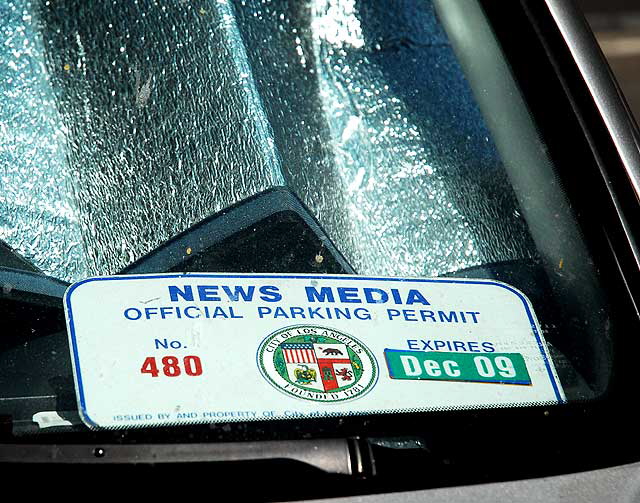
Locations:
(50, 419)
(203, 347)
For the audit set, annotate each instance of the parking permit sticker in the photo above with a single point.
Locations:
(166, 349)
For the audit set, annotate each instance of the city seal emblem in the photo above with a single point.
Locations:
(317, 363)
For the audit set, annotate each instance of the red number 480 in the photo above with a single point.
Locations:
(171, 366)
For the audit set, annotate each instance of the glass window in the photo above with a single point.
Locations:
(329, 136)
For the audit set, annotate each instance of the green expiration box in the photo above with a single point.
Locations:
(499, 368)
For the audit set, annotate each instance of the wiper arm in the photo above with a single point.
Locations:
(334, 456)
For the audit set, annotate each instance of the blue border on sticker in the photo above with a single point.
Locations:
(72, 288)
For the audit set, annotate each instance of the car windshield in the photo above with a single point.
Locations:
(283, 142)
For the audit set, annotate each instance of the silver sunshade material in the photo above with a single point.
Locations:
(130, 121)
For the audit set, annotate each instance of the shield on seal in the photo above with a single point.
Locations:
(321, 367)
